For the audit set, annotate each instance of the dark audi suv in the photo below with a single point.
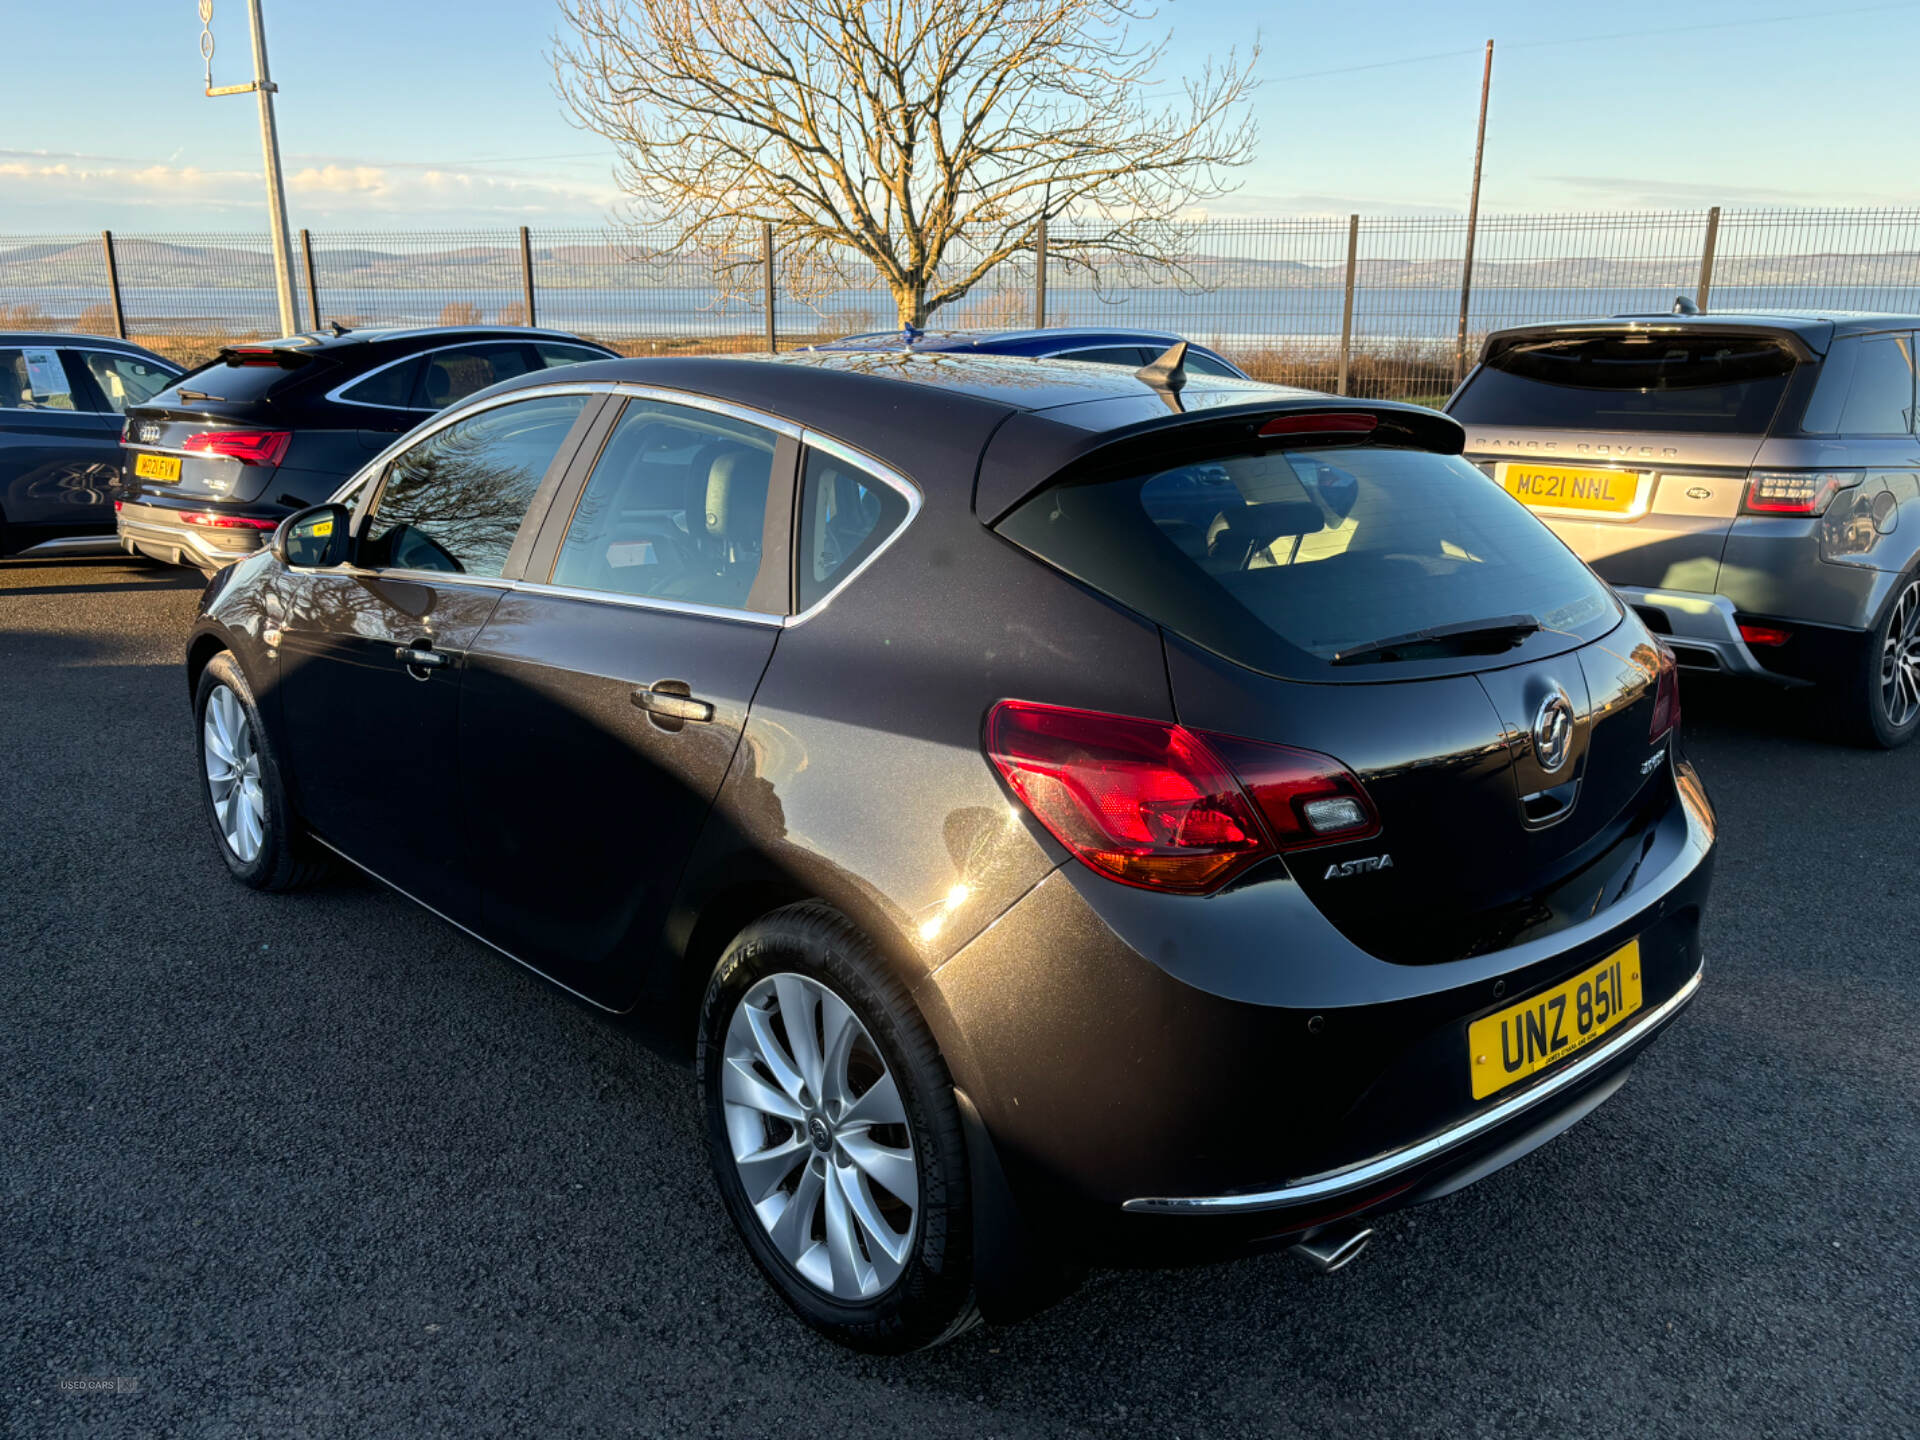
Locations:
(222, 456)
(1066, 817)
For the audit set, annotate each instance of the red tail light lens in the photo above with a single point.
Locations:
(1768, 635)
(1160, 806)
(1796, 492)
(1666, 696)
(214, 520)
(249, 447)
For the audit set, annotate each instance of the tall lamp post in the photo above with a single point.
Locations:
(263, 86)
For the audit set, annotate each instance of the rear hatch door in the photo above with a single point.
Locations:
(1633, 442)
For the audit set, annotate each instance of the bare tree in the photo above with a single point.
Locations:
(926, 136)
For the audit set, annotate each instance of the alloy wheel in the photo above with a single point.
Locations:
(1900, 660)
(233, 774)
(819, 1136)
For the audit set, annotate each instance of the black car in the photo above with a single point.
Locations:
(61, 399)
(220, 458)
(1037, 870)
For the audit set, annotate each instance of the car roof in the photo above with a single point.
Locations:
(933, 414)
(1052, 337)
(1814, 329)
(55, 340)
(325, 341)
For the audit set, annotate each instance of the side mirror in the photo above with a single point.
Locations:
(314, 538)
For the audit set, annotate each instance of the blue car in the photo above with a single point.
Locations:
(1132, 348)
(62, 398)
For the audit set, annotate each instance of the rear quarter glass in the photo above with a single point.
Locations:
(1701, 385)
(1285, 559)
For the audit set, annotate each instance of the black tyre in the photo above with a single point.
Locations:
(241, 790)
(834, 1134)
(1880, 707)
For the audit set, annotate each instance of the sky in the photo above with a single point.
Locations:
(437, 114)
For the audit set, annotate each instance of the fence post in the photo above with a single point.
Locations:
(313, 286)
(1346, 309)
(113, 285)
(526, 271)
(1706, 258)
(1040, 274)
(766, 249)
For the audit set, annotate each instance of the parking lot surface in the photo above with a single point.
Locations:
(321, 1165)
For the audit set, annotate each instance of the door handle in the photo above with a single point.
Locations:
(414, 658)
(668, 702)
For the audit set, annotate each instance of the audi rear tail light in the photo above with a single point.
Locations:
(1164, 807)
(215, 520)
(1796, 492)
(1666, 697)
(249, 447)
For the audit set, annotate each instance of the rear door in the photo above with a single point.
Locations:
(606, 695)
(373, 654)
(59, 455)
(1634, 446)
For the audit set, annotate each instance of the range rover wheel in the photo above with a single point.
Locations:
(240, 786)
(834, 1135)
(1883, 711)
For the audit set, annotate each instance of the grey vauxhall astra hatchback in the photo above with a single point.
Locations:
(1064, 814)
(1749, 484)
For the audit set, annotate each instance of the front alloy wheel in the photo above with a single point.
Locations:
(819, 1136)
(232, 761)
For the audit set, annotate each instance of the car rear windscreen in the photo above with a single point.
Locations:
(1690, 384)
(1287, 559)
(225, 380)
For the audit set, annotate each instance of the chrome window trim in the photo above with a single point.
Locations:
(1337, 1183)
(693, 400)
(649, 602)
(478, 339)
(880, 471)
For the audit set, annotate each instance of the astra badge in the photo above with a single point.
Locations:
(1553, 732)
(1359, 867)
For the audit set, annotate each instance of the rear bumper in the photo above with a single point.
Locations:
(158, 533)
(1165, 1082)
(1701, 630)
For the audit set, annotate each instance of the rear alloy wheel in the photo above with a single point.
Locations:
(240, 786)
(835, 1136)
(1883, 710)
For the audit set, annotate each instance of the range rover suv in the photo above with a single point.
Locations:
(1750, 484)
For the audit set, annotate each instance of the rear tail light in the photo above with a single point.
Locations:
(1164, 807)
(1666, 697)
(215, 520)
(249, 447)
(1768, 635)
(1796, 492)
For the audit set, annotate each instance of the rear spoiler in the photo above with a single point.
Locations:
(1502, 341)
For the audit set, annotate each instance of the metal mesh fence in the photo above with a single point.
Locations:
(1274, 294)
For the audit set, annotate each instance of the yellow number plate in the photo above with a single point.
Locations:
(1570, 487)
(157, 467)
(1505, 1048)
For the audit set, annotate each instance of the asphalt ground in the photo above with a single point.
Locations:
(320, 1165)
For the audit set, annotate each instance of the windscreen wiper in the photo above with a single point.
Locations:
(1485, 636)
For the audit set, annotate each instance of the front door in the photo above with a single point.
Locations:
(604, 706)
(373, 654)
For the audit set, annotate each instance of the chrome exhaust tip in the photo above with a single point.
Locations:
(1333, 1248)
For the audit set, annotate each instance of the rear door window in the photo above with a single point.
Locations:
(1111, 355)
(455, 501)
(124, 380)
(1683, 384)
(846, 515)
(552, 353)
(1288, 560)
(460, 371)
(676, 510)
(32, 378)
(1866, 387)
